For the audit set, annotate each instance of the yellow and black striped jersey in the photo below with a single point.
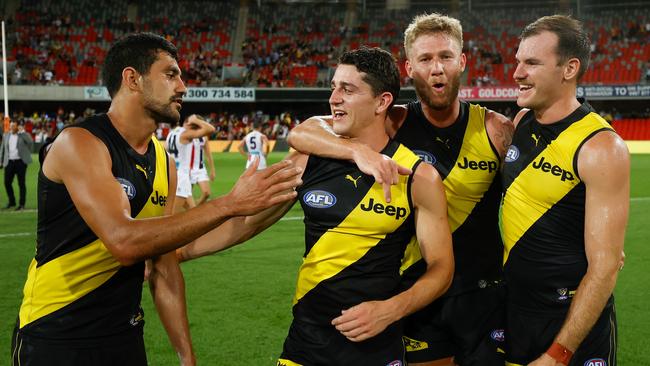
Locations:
(469, 167)
(354, 240)
(544, 209)
(75, 288)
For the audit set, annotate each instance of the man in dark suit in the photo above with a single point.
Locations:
(15, 155)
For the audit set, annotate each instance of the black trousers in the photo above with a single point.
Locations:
(15, 168)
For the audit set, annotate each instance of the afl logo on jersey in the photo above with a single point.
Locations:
(319, 199)
(426, 156)
(128, 188)
(498, 335)
(596, 362)
(512, 154)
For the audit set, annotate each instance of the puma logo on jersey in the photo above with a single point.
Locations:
(556, 170)
(137, 166)
(353, 180)
(444, 142)
(158, 199)
(535, 138)
(490, 166)
(389, 210)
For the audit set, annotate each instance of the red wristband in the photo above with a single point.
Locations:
(559, 353)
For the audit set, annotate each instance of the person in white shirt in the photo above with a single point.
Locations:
(15, 155)
(179, 145)
(257, 145)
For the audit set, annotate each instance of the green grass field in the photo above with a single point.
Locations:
(239, 301)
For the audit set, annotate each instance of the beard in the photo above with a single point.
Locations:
(162, 113)
(423, 91)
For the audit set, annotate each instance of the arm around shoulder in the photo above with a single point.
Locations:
(316, 136)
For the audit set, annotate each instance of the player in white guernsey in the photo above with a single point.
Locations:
(200, 157)
(257, 145)
(179, 144)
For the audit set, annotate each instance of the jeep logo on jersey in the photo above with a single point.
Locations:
(426, 156)
(512, 154)
(389, 210)
(490, 166)
(498, 335)
(128, 187)
(596, 362)
(319, 199)
(556, 170)
(157, 199)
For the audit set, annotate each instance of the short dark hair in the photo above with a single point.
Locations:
(137, 50)
(573, 41)
(379, 66)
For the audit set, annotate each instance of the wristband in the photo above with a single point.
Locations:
(559, 353)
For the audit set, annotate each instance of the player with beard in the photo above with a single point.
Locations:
(102, 185)
(466, 144)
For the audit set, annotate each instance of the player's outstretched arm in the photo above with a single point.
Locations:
(238, 229)
(604, 167)
(82, 163)
(434, 236)
(315, 136)
(167, 288)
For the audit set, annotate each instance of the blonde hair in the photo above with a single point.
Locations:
(430, 24)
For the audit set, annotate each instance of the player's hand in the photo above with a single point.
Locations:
(257, 190)
(384, 169)
(364, 321)
(545, 360)
(212, 175)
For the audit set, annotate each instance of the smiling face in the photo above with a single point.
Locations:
(436, 63)
(539, 73)
(163, 90)
(352, 101)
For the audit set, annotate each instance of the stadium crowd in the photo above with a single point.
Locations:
(228, 126)
(282, 45)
